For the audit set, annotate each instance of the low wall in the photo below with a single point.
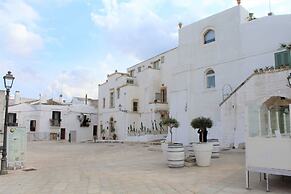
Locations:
(145, 138)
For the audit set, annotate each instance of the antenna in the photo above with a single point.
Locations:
(270, 9)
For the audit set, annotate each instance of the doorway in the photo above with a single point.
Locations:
(63, 133)
(95, 132)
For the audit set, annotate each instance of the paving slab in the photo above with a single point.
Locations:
(112, 168)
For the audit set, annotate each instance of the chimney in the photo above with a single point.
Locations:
(86, 99)
(17, 98)
(238, 2)
(180, 25)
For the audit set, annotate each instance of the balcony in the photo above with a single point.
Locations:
(159, 107)
(55, 122)
(12, 124)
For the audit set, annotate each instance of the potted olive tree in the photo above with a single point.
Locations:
(175, 151)
(202, 150)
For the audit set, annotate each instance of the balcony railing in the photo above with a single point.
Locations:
(12, 124)
(55, 122)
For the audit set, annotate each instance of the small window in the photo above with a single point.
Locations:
(162, 59)
(129, 81)
(118, 93)
(135, 106)
(164, 95)
(12, 119)
(139, 69)
(210, 79)
(32, 125)
(209, 36)
(112, 99)
(103, 102)
(156, 64)
(131, 73)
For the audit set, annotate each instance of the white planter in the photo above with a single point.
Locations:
(176, 155)
(216, 148)
(203, 153)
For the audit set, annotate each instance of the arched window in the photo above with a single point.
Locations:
(210, 79)
(209, 36)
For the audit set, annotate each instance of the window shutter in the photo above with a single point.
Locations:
(276, 59)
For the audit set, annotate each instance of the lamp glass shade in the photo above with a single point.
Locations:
(8, 80)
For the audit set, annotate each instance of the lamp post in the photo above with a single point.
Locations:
(8, 82)
(289, 80)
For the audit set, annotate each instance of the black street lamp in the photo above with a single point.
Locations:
(8, 82)
(289, 80)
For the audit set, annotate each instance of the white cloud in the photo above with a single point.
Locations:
(84, 79)
(21, 41)
(134, 28)
(18, 23)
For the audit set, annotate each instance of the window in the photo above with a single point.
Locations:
(210, 79)
(139, 69)
(129, 81)
(135, 106)
(118, 93)
(56, 118)
(283, 58)
(103, 102)
(112, 99)
(209, 36)
(164, 95)
(131, 73)
(162, 59)
(12, 119)
(32, 125)
(156, 64)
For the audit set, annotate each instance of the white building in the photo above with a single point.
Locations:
(214, 56)
(52, 120)
(133, 103)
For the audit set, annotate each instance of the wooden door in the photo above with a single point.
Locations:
(95, 131)
(63, 133)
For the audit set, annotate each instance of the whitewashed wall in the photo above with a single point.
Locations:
(259, 88)
(43, 113)
(240, 47)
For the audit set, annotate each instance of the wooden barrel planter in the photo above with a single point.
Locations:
(176, 155)
(216, 148)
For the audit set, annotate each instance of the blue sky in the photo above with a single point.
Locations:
(69, 46)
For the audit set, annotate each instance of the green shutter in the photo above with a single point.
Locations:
(283, 58)
(289, 57)
(277, 59)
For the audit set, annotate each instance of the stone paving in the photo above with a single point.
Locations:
(92, 168)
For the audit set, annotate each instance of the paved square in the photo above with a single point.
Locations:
(89, 168)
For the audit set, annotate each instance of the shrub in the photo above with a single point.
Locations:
(202, 124)
(171, 123)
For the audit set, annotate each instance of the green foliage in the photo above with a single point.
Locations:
(170, 122)
(201, 123)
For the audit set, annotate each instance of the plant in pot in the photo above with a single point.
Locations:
(173, 151)
(202, 150)
(114, 136)
(103, 133)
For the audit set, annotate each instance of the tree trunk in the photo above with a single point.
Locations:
(171, 135)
